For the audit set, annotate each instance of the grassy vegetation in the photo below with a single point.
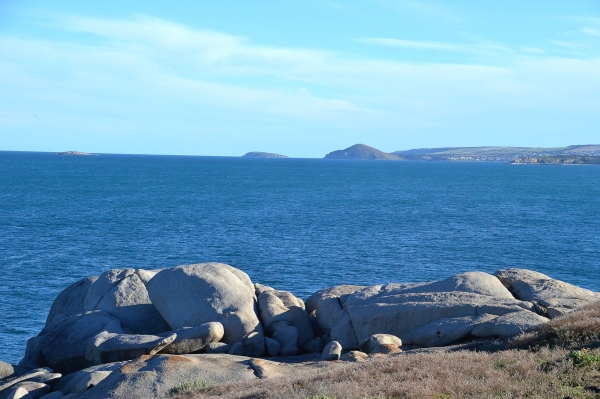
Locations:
(561, 360)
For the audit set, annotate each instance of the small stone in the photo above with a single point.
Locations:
(332, 351)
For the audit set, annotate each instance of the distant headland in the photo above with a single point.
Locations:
(361, 151)
(258, 154)
(76, 153)
(574, 154)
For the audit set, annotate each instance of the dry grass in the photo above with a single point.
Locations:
(553, 369)
(577, 330)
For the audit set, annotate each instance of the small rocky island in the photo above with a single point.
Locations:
(75, 153)
(133, 333)
(258, 154)
(559, 160)
(362, 152)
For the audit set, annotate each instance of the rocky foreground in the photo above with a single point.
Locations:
(133, 333)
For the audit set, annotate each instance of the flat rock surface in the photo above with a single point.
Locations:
(155, 377)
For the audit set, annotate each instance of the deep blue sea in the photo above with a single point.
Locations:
(295, 224)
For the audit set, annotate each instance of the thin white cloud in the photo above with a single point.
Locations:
(146, 72)
(591, 31)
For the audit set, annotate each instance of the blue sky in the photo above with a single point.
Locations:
(300, 78)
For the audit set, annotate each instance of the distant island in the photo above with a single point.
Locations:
(574, 154)
(77, 153)
(258, 154)
(364, 152)
(559, 160)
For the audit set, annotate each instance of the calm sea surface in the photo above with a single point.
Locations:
(295, 224)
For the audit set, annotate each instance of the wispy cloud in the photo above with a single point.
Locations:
(147, 73)
(591, 31)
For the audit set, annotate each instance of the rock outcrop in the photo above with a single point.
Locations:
(141, 334)
(188, 296)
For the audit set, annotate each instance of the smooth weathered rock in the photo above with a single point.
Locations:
(46, 378)
(188, 296)
(12, 382)
(146, 275)
(371, 343)
(336, 323)
(64, 344)
(472, 282)
(194, 339)
(102, 285)
(332, 351)
(315, 345)
(68, 384)
(156, 376)
(70, 301)
(217, 347)
(109, 348)
(382, 310)
(282, 306)
(18, 393)
(260, 288)
(336, 292)
(272, 346)
(354, 356)
(254, 345)
(287, 336)
(129, 302)
(444, 331)
(509, 325)
(33, 358)
(27, 389)
(556, 296)
(91, 380)
(236, 349)
(8, 370)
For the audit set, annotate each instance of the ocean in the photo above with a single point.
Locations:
(294, 224)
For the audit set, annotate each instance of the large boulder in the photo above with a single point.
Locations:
(423, 314)
(188, 296)
(389, 312)
(472, 282)
(122, 294)
(557, 297)
(509, 325)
